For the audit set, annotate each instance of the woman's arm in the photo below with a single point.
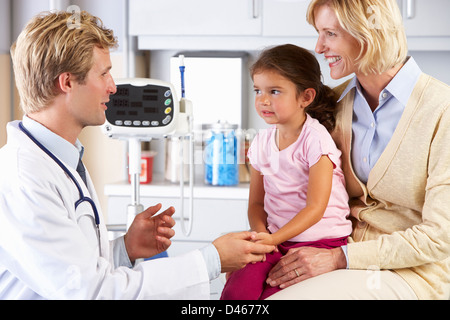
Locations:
(318, 196)
(257, 217)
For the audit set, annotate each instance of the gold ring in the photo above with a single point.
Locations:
(296, 272)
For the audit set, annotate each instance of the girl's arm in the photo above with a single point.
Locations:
(319, 190)
(257, 217)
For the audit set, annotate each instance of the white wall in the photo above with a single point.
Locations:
(110, 11)
(5, 68)
(23, 11)
(5, 26)
(434, 63)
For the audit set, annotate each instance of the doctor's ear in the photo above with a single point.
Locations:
(65, 82)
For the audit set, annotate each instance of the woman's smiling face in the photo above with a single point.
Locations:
(337, 45)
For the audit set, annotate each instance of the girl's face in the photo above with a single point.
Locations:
(338, 46)
(276, 98)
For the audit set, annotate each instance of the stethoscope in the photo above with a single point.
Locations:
(80, 190)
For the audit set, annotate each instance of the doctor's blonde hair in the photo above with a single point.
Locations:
(48, 47)
(376, 25)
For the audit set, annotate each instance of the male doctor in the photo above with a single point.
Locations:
(50, 248)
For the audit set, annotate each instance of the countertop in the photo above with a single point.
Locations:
(163, 188)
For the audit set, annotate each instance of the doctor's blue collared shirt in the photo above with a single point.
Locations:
(372, 131)
(65, 151)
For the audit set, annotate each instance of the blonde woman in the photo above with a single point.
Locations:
(393, 127)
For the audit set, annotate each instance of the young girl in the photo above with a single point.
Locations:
(297, 188)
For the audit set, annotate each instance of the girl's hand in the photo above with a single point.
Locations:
(265, 238)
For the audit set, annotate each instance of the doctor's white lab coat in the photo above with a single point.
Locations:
(50, 251)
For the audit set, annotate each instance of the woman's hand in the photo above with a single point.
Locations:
(306, 262)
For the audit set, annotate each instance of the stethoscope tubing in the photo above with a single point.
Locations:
(64, 168)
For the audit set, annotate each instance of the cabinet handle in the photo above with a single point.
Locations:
(116, 227)
(179, 219)
(410, 6)
(255, 9)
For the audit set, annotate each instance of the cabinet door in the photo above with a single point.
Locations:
(212, 217)
(195, 17)
(286, 18)
(424, 18)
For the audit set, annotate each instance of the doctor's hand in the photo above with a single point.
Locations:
(150, 235)
(236, 250)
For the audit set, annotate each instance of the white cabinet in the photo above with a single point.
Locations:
(426, 18)
(217, 210)
(195, 17)
(422, 18)
(286, 18)
(255, 24)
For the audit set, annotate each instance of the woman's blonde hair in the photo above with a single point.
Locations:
(376, 25)
(51, 45)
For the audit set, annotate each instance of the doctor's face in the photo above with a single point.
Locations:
(90, 98)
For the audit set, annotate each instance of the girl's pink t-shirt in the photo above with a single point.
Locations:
(286, 175)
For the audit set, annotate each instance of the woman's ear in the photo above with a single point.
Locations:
(307, 97)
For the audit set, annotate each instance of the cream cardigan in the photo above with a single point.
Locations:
(402, 216)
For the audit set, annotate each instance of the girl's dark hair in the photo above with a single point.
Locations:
(301, 67)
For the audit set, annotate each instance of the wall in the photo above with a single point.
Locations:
(5, 68)
(5, 95)
(434, 63)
